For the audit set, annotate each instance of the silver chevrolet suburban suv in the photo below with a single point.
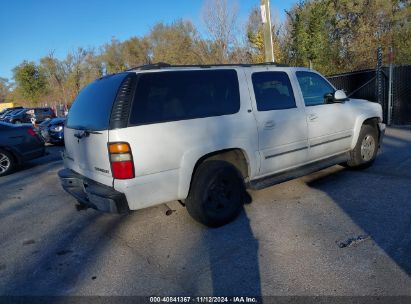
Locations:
(204, 134)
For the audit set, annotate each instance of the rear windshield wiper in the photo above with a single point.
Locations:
(85, 133)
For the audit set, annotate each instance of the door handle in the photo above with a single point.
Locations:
(312, 117)
(269, 124)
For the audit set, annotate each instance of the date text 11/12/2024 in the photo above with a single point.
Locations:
(203, 299)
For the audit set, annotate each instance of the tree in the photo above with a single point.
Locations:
(112, 57)
(400, 31)
(4, 89)
(91, 67)
(30, 81)
(81, 67)
(136, 51)
(56, 76)
(176, 43)
(220, 20)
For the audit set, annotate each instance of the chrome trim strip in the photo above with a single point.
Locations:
(282, 153)
(331, 140)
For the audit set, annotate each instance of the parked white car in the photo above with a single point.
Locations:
(203, 134)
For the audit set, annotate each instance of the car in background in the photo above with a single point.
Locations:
(7, 110)
(18, 143)
(52, 130)
(27, 115)
(6, 114)
(42, 114)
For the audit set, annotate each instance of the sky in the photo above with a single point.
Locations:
(31, 29)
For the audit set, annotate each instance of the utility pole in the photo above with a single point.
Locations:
(268, 36)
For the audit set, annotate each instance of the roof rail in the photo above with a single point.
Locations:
(150, 66)
(159, 65)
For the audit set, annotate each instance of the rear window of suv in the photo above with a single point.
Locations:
(179, 95)
(91, 109)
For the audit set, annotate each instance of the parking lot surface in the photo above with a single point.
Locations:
(334, 232)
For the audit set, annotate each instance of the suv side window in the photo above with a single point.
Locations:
(273, 91)
(178, 95)
(314, 88)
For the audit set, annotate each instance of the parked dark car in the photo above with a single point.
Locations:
(52, 130)
(18, 143)
(42, 114)
(17, 116)
(8, 113)
(7, 110)
(26, 115)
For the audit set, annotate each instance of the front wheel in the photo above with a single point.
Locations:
(217, 194)
(7, 163)
(365, 151)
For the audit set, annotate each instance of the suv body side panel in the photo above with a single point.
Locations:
(242, 134)
(165, 154)
(330, 125)
(282, 133)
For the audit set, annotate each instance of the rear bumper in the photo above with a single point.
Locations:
(93, 194)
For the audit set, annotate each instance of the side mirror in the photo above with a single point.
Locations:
(340, 96)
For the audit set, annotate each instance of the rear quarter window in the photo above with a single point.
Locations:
(180, 95)
(91, 109)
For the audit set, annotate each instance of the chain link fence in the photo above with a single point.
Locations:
(363, 85)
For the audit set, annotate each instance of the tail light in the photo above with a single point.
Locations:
(121, 159)
(31, 132)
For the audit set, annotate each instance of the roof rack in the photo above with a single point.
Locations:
(160, 65)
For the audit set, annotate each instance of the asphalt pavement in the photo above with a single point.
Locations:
(334, 232)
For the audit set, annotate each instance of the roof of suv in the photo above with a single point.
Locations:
(163, 65)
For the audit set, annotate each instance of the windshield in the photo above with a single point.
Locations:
(92, 108)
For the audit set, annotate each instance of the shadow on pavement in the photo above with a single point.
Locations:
(233, 254)
(378, 199)
(56, 271)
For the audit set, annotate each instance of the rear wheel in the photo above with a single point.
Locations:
(216, 195)
(7, 163)
(365, 151)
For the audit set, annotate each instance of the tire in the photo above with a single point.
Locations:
(366, 148)
(7, 163)
(217, 194)
(17, 122)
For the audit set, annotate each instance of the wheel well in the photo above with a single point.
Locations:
(236, 157)
(373, 122)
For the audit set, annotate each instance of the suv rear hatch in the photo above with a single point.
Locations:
(86, 133)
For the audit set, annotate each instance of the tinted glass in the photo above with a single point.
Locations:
(92, 108)
(273, 91)
(314, 88)
(169, 96)
(18, 112)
